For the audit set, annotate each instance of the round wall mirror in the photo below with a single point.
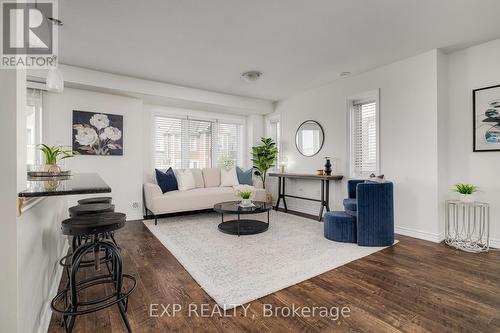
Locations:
(309, 138)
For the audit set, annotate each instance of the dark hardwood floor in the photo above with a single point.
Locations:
(414, 286)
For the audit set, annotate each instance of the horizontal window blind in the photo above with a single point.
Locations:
(364, 138)
(200, 144)
(229, 138)
(190, 143)
(167, 143)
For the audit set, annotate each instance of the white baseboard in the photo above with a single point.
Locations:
(47, 311)
(425, 235)
(495, 243)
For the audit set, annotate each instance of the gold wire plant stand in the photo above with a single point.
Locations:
(468, 225)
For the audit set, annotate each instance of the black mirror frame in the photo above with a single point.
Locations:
(322, 141)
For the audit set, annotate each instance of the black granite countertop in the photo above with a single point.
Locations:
(80, 183)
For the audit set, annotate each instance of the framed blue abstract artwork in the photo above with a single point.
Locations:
(486, 108)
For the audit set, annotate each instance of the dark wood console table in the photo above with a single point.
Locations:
(325, 189)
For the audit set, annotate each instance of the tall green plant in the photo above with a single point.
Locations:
(264, 157)
(52, 154)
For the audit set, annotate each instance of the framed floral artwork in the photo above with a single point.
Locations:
(97, 133)
(486, 109)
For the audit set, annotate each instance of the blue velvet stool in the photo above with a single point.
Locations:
(340, 227)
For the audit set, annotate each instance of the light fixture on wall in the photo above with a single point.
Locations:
(55, 81)
(251, 76)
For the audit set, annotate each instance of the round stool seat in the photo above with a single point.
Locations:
(96, 208)
(93, 224)
(95, 200)
(340, 227)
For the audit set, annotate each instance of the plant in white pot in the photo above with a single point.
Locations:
(466, 191)
(245, 192)
(53, 154)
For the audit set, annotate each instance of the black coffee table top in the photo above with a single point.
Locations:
(233, 207)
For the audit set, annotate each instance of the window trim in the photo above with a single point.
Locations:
(185, 114)
(372, 95)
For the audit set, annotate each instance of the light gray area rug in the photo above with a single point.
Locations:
(235, 270)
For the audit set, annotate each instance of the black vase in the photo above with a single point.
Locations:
(328, 166)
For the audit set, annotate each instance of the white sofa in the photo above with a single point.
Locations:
(207, 193)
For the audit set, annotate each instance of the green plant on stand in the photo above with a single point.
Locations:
(466, 191)
(54, 153)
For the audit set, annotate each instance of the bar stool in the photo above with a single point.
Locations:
(93, 227)
(95, 200)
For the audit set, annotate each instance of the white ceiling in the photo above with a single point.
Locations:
(297, 44)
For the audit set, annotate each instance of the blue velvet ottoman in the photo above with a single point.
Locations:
(340, 227)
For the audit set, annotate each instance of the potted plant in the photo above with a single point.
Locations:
(53, 154)
(466, 191)
(263, 159)
(245, 192)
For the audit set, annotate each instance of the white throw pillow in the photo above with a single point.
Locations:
(228, 177)
(185, 180)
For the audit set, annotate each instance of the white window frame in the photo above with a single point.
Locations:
(271, 121)
(373, 95)
(187, 114)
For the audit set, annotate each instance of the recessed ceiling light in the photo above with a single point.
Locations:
(345, 74)
(251, 76)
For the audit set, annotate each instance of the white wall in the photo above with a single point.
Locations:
(472, 68)
(40, 246)
(9, 107)
(123, 174)
(408, 138)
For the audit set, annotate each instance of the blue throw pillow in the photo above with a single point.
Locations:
(166, 180)
(244, 177)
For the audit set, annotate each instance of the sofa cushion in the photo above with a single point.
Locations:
(191, 200)
(351, 204)
(211, 176)
(228, 177)
(185, 179)
(198, 178)
(166, 180)
(245, 177)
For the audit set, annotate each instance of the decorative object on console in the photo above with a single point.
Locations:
(244, 177)
(52, 155)
(264, 157)
(283, 164)
(228, 177)
(226, 163)
(166, 180)
(486, 109)
(328, 166)
(320, 172)
(466, 191)
(309, 138)
(97, 133)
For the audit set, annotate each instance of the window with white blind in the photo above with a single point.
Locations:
(364, 137)
(34, 111)
(191, 143)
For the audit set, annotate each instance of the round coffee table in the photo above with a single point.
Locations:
(243, 226)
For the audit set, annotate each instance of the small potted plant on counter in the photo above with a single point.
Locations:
(52, 155)
(466, 191)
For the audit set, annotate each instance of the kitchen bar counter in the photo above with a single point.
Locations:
(80, 183)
